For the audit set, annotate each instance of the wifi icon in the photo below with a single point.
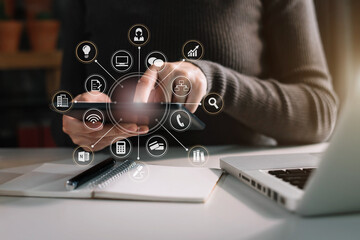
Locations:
(91, 117)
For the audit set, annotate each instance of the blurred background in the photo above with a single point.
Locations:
(30, 61)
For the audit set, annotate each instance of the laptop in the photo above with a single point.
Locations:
(310, 184)
(122, 61)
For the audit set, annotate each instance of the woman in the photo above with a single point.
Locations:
(264, 58)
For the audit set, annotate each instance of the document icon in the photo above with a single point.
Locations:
(95, 85)
(83, 156)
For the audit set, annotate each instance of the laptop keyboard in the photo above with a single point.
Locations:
(296, 177)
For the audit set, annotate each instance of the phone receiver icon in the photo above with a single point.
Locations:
(178, 117)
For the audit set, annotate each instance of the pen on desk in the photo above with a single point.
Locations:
(90, 173)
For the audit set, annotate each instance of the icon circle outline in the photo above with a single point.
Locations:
(131, 61)
(120, 139)
(187, 114)
(202, 50)
(102, 118)
(91, 43)
(147, 30)
(162, 54)
(53, 98)
(88, 78)
(130, 173)
(172, 84)
(116, 122)
(147, 146)
(206, 157)
(91, 151)
(203, 103)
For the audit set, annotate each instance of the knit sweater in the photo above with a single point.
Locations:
(265, 59)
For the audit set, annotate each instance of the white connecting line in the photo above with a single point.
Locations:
(186, 149)
(107, 72)
(184, 103)
(172, 70)
(92, 146)
(138, 136)
(139, 58)
(138, 150)
(138, 153)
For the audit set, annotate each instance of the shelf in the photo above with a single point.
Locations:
(26, 60)
(35, 104)
(30, 60)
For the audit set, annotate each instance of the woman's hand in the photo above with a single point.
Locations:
(145, 91)
(83, 136)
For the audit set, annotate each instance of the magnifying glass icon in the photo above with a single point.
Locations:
(212, 102)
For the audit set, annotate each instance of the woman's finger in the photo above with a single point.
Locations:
(115, 130)
(195, 96)
(145, 85)
(180, 89)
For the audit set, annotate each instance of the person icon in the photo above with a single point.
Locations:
(138, 35)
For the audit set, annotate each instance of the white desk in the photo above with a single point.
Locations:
(234, 211)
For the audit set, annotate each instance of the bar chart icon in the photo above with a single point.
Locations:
(193, 49)
(198, 156)
(193, 52)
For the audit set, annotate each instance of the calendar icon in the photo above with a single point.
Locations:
(120, 147)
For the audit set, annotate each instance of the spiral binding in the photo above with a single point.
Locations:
(111, 175)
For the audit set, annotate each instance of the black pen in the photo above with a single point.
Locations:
(92, 172)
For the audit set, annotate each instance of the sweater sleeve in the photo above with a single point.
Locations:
(296, 102)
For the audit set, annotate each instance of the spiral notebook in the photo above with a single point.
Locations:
(161, 183)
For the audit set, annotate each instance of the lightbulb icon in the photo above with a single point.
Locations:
(86, 49)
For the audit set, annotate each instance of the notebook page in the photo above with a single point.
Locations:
(47, 180)
(164, 183)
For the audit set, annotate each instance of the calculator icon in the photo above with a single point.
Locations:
(120, 147)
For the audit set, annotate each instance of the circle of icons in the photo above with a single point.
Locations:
(198, 155)
(180, 120)
(120, 147)
(213, 103)
(157, 59)
(83, 155)
(86, 52)
(140, 172)
(156, 146)
(93, 119)
(62, 101)
(121, 61)
(95, 84)
(181, 86)
(193, 50)
(138, 35)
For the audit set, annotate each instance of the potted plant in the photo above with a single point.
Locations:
(43, 32)
(34, 7)
(10, 31)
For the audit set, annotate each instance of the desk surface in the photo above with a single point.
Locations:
(234, 211)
